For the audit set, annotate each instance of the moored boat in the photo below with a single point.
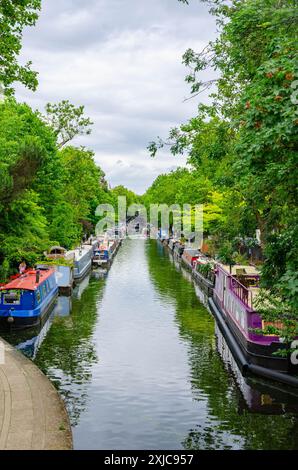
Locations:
(204, 273)
(172, 244)
(179, 249)
(234, 303)
(105, 253)
(82, 259)
(64, 275)
(189, 257)
(25, 300)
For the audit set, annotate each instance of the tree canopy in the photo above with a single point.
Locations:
(47, 195)
(243, 146)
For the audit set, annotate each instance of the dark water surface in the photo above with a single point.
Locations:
(141, 365)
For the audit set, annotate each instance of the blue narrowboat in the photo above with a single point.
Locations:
(101, 257)
(25, 300)
(105, 253)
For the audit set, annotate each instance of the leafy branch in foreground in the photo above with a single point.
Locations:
(15, 15)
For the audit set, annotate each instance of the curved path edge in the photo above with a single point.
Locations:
(32, 414)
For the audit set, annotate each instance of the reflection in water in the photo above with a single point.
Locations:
(139, 365)
(81, 287)
(260, 396)
(68, 353)
(30, 340)
(236, 408)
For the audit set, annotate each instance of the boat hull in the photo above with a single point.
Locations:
(256, 354)
(204, 283)
(80, 273)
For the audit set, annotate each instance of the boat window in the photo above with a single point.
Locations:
(38, 296)
(12, 297)
(44, 290)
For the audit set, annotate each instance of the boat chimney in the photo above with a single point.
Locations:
(37, 276)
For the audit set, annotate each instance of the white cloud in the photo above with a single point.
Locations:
(122, 60)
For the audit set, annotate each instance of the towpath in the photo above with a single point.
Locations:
(32, 415)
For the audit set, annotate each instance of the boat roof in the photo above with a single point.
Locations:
(78, 253)
(243, 270)
(57, 248)
(191, 251)
(27, 281)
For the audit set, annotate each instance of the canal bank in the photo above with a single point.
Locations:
(32, 415)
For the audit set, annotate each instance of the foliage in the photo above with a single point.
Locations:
(278, 308)
(244, 145)
(67, 121)
(121, 191)
(226, 254)
(46, 196)
(15, 15)
(207, 270)
(56, 262)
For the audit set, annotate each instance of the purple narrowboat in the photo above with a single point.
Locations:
(233, 304)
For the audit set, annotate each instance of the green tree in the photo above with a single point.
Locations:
(15, 15)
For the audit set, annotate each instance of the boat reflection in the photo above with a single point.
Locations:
(258, 396)
(81, 287)
(99, 273)
(29, 341)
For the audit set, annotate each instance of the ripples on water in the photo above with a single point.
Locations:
(140, 367)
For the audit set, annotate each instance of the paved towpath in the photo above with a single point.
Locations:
(32, 415)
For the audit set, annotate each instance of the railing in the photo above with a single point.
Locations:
(242, 292)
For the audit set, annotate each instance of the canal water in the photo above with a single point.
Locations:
(140, 364)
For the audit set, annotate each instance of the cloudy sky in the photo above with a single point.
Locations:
(122, 60)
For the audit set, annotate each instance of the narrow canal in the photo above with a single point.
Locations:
(140, 366)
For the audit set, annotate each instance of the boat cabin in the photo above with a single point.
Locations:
(29, 295)
(189, 256)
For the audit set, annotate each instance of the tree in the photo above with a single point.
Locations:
(67, 121)
(14, 16)
(46, 196)
(131, 197)
(246, 141)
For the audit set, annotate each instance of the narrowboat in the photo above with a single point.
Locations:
(64, 276)
(172, 244)
(101, 256)
(190, 255)
(233, 304)
(82, 259)
(26, 300)
(204, 273)
(104, 255)
(179, 249)
(113, 248)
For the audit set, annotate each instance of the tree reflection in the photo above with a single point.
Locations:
(68, 352)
